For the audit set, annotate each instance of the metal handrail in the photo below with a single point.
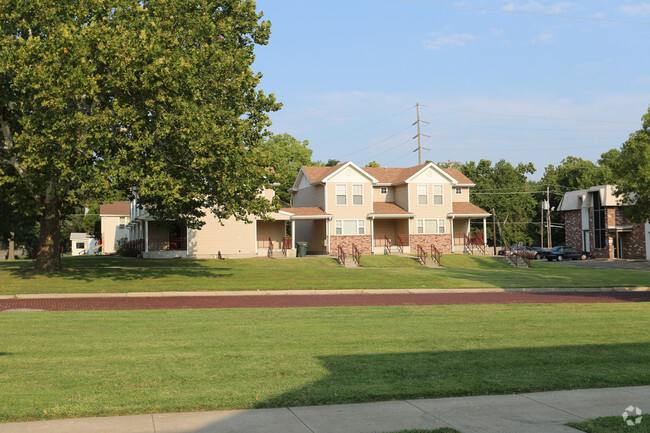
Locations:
(387, 245)
(422, 254)
(341, 254)
(468, 244)
(286, 244)
(436, 254)
(400, 244)
(356, 254)
(270, 252)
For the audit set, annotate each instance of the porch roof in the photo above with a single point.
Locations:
(389, 210)
(306, 213)
(468, 210)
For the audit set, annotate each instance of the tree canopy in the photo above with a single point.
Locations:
(631, 168)
(101, 96)
(286, 155)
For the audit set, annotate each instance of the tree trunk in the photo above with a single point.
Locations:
(48, 258)
(10, 254)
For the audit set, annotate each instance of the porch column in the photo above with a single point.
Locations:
(293, 234)
(372, 234)
(327, 233)
(453, 236)
(484, 232)
(146, 236)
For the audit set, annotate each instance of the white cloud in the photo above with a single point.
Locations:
(456, 39)
(546, 36)
(533, 6)
(639, 9)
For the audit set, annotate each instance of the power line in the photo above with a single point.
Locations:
(376, 143)
(575, 17)
(523, 115)
(366, 126)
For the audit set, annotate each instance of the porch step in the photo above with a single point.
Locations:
(520, 263)
(349, 262)
(430, 262)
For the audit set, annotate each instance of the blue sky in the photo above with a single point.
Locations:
(493, 85)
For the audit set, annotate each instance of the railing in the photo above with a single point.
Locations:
(356, 254)
(401, 243)
(422, 254)
(341, 254)
(286, 244)
(468, 244)
(436, 254)
(520, 254)
(270, 250)
(387, 245)
(171, 244)
(137, 245)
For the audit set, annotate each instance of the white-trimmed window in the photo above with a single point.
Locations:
(431, 226)
(459, 190)
(437, 194)
(350, 227)
(383, 190)
(423, 193)
(357, 195)
(341, 194)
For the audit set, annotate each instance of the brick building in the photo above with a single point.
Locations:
(594, 221)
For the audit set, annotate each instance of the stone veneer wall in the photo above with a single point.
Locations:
(573, 228)
(442, 242)
(363, 243)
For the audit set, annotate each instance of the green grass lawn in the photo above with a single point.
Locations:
(611, 424)
(117, 274)
(99, 363)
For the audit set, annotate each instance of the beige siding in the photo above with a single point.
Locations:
(389, 197)
(232, 238)
(311, 196)
(401, 196)
(112, 232)
(430, 178)
(463, 197)
(273, 229)
(349, 211)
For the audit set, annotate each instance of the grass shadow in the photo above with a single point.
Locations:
(397, 376)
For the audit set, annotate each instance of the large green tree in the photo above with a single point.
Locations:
(575, 173)
(504, 188)
(631, 170)
(101, 95)
(286, 155)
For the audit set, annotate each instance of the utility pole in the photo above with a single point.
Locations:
(419, 136)
(494, 231)
(548, 217)
(541, 226)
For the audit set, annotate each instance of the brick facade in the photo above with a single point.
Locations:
(633, 243)
(442, 242)
(573, 228)
(363, 243)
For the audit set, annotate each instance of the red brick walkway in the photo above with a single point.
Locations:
(334, 300)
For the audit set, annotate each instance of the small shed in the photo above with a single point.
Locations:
(81, 243)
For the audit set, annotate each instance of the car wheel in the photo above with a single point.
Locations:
(560, 258)
(538, 256)
(583, 257)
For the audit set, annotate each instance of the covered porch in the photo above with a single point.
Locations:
(464, 240)
(273, 238)
(390, 228)
(309, 225)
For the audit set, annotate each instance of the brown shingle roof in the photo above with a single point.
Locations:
(115, 208)
(458, 175)
(465, 208)
(392, 175)
(381, 208)
(305, 211)
(316, 174)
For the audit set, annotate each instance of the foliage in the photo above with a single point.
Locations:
(98, 96)
(126, 249)
(504, 188)
(332, 162)
(632, 172)
(373, 164)
(573, 174)
(286, 155)
(91, 222)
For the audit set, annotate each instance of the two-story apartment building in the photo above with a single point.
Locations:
(594, 222)
(380, 207)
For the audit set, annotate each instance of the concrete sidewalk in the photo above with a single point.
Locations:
(545, 412)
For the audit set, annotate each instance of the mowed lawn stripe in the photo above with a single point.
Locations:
(76, 364)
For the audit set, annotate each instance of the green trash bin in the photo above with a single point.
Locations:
(302, 249)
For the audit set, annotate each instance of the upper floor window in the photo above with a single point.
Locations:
(341, 194)
(423, 194)
(357, 195)
(437, 194)
(383, 190)
(459, 190)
